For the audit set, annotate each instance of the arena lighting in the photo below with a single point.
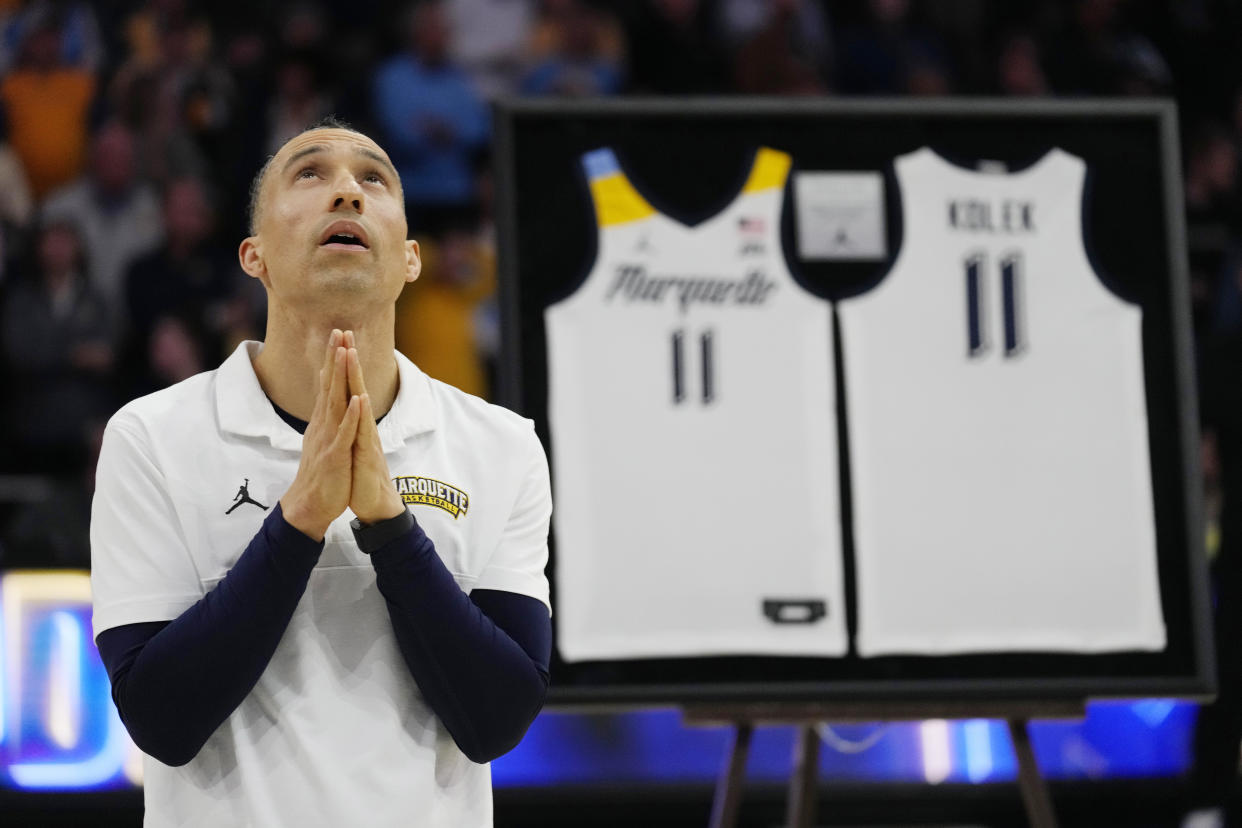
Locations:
(58, 726)
(937, 750)
(60, 731)
(978, 752)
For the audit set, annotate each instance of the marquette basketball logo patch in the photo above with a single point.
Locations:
(430, 492)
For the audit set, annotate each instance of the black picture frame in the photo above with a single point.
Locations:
(1134, 209)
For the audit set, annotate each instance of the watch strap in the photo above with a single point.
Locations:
(373, 536)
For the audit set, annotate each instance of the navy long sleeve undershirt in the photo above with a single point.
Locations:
(481, 662)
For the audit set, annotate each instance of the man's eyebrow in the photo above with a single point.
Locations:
(300, 154)
(379, 159)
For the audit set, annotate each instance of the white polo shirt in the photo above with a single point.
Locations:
(335, 732)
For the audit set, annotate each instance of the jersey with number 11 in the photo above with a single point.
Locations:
(691, 404)
(998, 429)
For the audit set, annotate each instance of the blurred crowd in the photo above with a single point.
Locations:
(130, 131)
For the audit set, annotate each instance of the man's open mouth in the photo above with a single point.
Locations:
(344, 235)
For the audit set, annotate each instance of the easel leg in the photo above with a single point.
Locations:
(802, 784)
(728, 798)
(1034, 789)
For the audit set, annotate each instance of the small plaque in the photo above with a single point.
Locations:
(840, 216)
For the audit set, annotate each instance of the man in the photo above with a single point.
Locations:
(188, 272)
(118, 212)
(433, 118)
(291, 666)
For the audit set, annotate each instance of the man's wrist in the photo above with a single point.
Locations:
(301, 521)
(391, 509)
(373, 536)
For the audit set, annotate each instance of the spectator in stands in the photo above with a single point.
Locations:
(177, 349)
(16, 203)
(433, 121)
(47, 102)
(1212, 176)
(1099, 53)
(177, 100)
(1212, 222)
(780, 44)
(186, 275)
(56, 342)
(202, 128)
(490, 41)
(119, 214)
(436, 321)
(773, 60)
(336, 40)
(1020, 70)
(579, 63)
(80, 42)
(299, 100)
(891, 54)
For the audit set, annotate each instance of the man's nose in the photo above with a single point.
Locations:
(347, 193)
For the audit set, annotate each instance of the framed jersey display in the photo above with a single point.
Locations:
(870, 399)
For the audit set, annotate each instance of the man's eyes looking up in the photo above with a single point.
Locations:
(369, 177)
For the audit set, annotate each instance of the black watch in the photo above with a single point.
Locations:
(373, 536)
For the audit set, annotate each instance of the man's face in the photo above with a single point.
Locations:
(331, 223)
(187, 216)
(114, 159)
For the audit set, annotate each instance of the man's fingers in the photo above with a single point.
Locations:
(336, 387)
(367, 429)
(356, 385)
(348, 429)
(325, 372)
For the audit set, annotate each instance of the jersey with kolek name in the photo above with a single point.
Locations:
(998, 445)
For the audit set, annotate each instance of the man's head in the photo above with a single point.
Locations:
(427, 31)
(112, 158)
(327, 223)
(40, 50)
(187, 213)
(60, 251)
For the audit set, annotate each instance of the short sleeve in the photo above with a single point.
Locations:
(518, 563)
(141, 569)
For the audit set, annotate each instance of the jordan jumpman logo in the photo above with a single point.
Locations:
(243, 496)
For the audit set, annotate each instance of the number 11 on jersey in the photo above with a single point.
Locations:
(1010, 266)
(680, 371)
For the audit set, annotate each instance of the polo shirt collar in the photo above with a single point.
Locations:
(245, 410)
(413, 412)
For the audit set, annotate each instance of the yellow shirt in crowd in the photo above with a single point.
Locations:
(435, 315)
(47, 124)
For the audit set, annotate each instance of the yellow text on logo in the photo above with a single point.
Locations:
(431, 492)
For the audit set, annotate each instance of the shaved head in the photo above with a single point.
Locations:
(258, 183)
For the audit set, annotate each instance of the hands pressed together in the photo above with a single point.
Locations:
(342, 460)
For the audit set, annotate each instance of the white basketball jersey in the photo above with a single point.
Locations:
(998, 427)
(691, 403)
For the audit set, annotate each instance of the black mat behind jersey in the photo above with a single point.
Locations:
(688, 157)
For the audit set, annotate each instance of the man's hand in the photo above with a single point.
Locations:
(373, 497)
(322, 488)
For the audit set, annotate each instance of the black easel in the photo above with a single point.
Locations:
(801, 807)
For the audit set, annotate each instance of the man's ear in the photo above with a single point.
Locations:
(413, 260)
(251, 257)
